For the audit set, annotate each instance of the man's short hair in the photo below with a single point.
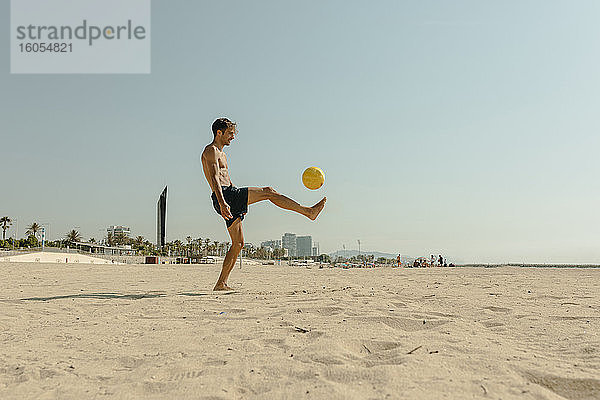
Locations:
(221, 124)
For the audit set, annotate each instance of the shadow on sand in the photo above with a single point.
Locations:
(138, 296)
(99, 296)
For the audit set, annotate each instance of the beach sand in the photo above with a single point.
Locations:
(157, 331)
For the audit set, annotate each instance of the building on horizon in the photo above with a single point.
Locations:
(115, 230)
(315, 249)
(304, 246)
(273, 244)
(288, 241)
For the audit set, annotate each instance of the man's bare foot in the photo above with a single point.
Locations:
(221, 286)
(316, 209)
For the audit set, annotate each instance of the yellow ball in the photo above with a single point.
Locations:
(313, 178)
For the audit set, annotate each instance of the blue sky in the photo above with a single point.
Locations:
(462, 128)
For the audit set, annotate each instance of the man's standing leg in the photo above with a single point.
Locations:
(237, 242)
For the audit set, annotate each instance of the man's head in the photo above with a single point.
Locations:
(224, 130)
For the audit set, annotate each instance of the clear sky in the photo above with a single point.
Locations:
(463, 128)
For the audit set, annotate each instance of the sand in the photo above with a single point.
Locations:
(158, 332)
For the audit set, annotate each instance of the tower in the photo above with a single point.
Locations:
(161, 229)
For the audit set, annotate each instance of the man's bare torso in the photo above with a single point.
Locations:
(223, 172)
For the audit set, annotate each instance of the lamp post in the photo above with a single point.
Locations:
(16, 232)
(45, 233)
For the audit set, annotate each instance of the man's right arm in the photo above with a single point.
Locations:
(211, 172)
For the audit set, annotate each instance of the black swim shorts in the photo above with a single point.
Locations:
(237, 198)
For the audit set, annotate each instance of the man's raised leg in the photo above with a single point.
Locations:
(256, 194)
(237, 242)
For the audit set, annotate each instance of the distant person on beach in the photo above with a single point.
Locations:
(231, 202)
(399, 260)
(441, 260)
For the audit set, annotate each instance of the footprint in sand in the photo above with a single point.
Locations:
(439, 314)
(278, 343)
(497, 309)
(491, 324)
(186, 375)
(343, 374)
(215, 363)
(569, 388)
(236, 311)
(129, 362)
(573, 317)
(325, 311)
(377, 353)
(155, 387)
(20, 374)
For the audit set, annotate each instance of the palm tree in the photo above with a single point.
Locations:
(6, 223)
(216, 247)
(110, 239)
(199, 246)
(278, 253)
(33, 229)
(178, 245)
(120, 239)
(139, 241)
(73, 236)
(206, 243)
(189, 246)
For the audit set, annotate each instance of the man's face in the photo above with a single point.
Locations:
(229, 135)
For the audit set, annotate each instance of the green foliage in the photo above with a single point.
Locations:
(73, 236)
(278, 253)
(260, 253)
(9, 243)
(5, 223)
(32, 241)
(56, 243)
(325, 258)
(120, 239)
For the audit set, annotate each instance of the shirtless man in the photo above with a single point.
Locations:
(231, 202)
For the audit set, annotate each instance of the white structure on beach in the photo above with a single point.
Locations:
(115, 230)
(56, 258)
